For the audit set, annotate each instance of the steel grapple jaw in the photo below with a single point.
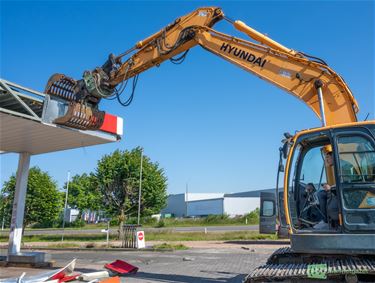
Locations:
(75, 107)
(61, 86)
(81, 116)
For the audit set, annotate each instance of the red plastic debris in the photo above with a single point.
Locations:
(59, 275)
(69, 278)
(62, 277)
(121, 267)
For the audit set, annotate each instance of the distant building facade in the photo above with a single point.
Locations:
(71, 215)
(177, 203)
(200, 204)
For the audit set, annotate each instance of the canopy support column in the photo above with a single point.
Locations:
(15, 234)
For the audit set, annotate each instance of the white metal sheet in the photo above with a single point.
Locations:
(240, 205)
(205, 207)
(18, 134)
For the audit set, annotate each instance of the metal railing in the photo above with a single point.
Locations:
(21, 101)
(130, 236)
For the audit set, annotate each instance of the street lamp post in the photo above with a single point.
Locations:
(140, 189)
(3, 222)
(5, 202)
(66, 202)
(186, 199)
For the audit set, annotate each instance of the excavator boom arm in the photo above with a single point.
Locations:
(173, 40)
(295, 74)
(308, 79)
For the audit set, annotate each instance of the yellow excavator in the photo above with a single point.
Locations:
(328, 199)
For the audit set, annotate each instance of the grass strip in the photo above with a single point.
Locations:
(64, 245)
(169, 246)
(165, 235)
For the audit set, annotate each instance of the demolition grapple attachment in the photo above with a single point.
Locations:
(69, 106)
(82, 117)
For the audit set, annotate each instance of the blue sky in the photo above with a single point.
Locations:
(207, 122)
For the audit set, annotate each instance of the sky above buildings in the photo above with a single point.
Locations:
(208, 123)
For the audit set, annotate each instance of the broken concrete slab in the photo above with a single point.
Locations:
(93, 275)
(29, 257)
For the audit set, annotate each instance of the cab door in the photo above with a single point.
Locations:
(267, 223)
(355, 163)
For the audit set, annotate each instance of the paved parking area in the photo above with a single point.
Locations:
(193, 265)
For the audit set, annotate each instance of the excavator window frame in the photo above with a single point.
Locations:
(303, 143)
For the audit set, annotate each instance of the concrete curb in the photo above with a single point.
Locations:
(88, 249)
(259, 242)
(100, 249)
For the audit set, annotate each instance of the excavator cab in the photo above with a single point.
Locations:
(342, 217)
(321, 220)
(327, 206)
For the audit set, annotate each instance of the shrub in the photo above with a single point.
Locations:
(149, 221)
(215, 218)
(168, 246)
(131, 220)
(42, 225)
(114, 222)
(91, 245)
(78, 223)
(160, 224)
(253, 216)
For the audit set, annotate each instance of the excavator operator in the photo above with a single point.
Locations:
(328, 202)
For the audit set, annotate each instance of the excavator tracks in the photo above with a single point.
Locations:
(286, 266)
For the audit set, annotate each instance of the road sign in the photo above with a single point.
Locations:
(106, 231)
(140, 236)
(141, 240)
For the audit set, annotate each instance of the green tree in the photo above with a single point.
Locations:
(5, 208)
(43, 200)
(118, 178)
(84, 193)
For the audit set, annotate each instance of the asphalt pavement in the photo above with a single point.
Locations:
(202, 265)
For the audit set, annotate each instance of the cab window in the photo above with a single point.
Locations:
(357, 166)
(312, 170)
(357, 159)
(268, 208)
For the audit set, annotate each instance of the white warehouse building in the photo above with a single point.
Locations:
(200, 204)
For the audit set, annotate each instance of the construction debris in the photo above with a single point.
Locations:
(43, 277)
(93, 275)
(115, 279)
(65, 274)
(121, 267)
(63, 278)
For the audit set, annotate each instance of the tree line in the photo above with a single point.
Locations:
(112, 188)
